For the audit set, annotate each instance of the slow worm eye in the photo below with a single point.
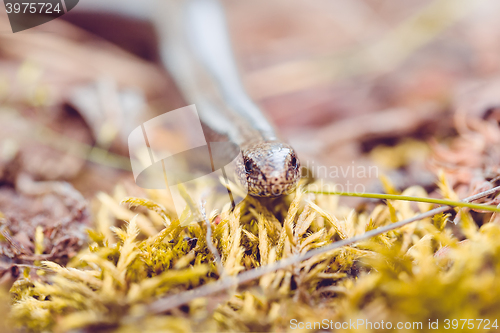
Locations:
(248, 166)
(294, 162)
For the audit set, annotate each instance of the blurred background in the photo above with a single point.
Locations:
(409, 86)
(364, 82)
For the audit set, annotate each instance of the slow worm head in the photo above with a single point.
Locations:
(269, 169)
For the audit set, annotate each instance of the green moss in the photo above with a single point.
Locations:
(418, 272)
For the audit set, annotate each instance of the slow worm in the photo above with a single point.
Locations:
(196, 51)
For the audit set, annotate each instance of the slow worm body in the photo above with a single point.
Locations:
(195, 49)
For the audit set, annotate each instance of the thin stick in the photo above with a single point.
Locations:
(171, 302)
(34, 267)
(408, 198)
(210, 244)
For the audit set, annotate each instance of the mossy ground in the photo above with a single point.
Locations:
(427, 270)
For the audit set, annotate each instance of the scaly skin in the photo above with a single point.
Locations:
(269, 169)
